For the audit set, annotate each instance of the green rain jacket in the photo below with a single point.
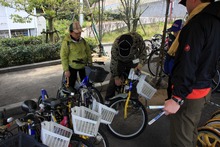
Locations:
(72, 50)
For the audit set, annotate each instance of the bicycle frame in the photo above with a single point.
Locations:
(132, 78)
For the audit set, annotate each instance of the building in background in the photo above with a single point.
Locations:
(9, 29)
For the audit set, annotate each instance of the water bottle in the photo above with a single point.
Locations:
(43, 94)
(31, 131)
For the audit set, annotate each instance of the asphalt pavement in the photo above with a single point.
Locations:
(24, 83)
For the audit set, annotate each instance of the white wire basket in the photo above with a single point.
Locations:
(54, 135)
(145, 89)
(85, 121)
(107, 113)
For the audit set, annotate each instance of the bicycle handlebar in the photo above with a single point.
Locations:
(80, 61)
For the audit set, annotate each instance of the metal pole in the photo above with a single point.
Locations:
(159, 71)
(81, 13)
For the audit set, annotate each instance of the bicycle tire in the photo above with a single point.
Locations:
(100, 140)
(216, 114)
(77, 141)
(208, 136)
(96, 94)
(153, 60)
(215, 123)
(215, 81)
(126, 128)
(5, 135)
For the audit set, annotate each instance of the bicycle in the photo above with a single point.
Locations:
(154, 59)
(208, 136)
(57, 105)
(32, 122)
(130, 109)
(153, 44)
(4, 129)
(94, 74)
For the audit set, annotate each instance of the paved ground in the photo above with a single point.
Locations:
(26, 84)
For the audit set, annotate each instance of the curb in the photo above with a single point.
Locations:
(13, 109)
(29, 66)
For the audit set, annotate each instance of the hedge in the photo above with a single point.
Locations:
(26, 50)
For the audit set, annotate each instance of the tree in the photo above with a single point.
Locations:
(130, 14)
(49, 9)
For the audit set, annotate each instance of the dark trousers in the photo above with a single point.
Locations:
(183, 124)
(73, 76)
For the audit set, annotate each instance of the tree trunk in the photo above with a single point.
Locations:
(50, 29)
(135, 17)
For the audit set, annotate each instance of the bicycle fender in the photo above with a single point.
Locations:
(121, 95)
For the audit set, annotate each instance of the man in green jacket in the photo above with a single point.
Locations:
(74, 47)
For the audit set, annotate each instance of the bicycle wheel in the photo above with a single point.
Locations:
(215, 81)
(133, 125)
(5, 135)
(153, 61)
(100, 140)
(96, 94)
(215, 123)
(77, 141)
(216, 114)
(208, 136)
(156, 41)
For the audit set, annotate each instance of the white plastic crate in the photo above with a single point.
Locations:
(107, 113)
(85, 121)
(145, 89)
(54, 135)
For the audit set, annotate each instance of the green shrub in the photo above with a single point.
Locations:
(19, 51)
(13, 42)
(92, 42)
(47, 52)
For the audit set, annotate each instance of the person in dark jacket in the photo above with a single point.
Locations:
(128, 51)
(196, 49)
(169, 60)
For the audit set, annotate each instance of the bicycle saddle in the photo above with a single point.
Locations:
(27, 117)
(29, 106)
(52, 102)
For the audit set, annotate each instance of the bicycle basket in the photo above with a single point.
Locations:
(145, 89)
(85, 121)
(96, 73)
(107, 113)
(21, 140)
(53, 134)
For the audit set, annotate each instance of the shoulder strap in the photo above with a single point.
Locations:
(68, 44)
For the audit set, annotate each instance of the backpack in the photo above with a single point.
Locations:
(168, 64)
